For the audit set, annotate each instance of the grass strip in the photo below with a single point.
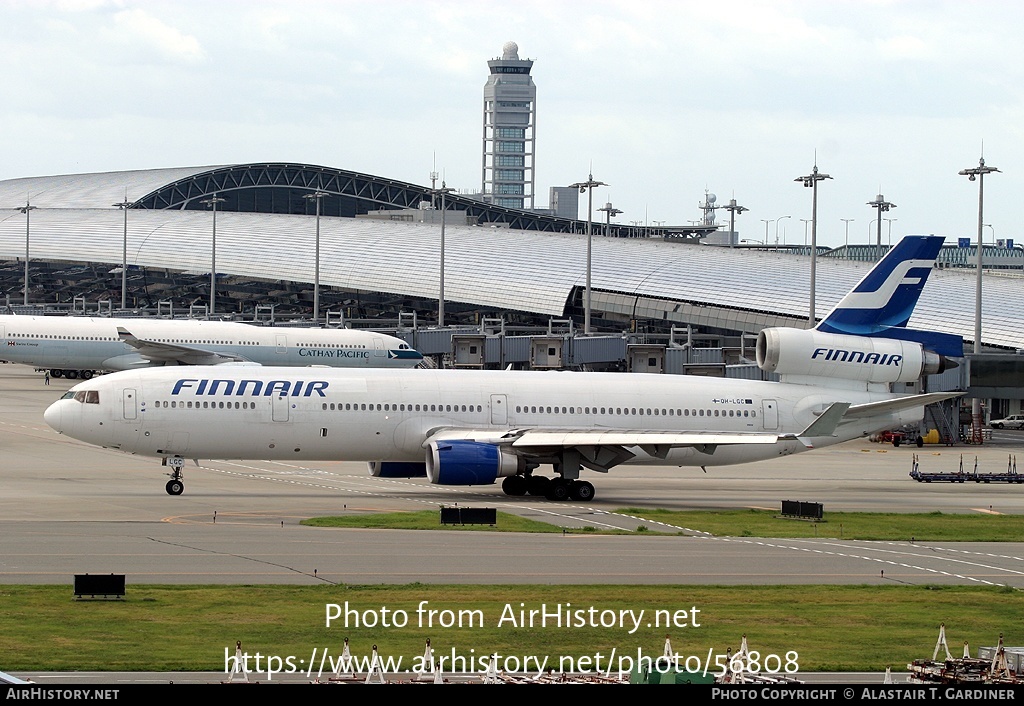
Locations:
(165, 628)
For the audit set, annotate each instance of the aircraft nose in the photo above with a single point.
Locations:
(52, 416)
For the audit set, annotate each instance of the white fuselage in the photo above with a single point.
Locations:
(388, 415)
(83, 343)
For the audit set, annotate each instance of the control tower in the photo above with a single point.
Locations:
(510, 111)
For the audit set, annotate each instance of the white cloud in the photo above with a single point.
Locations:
(167, 40)
(904, 47)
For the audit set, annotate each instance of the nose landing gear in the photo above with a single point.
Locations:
(176, 485)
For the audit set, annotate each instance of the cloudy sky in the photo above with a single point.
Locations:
(664, 99)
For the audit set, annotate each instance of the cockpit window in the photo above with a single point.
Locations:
(85, 396)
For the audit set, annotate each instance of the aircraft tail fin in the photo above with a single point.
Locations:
(887, 295)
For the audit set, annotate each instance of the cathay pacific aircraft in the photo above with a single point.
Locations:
(460, 427)
(74, 346)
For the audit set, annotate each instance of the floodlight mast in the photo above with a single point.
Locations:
(881, 206)
(124, 206)
(212, 203)
(588, 188)
(27, 209)
(443, 191)
(811, 180)
(610, 211)
(733, 209)
(978, 174)
(316, 196)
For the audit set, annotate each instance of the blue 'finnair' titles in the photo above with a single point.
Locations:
(840, 356)
(251, 388)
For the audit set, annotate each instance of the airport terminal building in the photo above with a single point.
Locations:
(379, 264)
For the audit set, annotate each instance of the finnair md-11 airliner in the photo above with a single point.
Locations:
(472, 427)
(75, 346)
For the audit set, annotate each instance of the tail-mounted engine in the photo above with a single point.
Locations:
(814, 353)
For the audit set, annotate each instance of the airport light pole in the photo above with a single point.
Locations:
(610, 211)
(212, 203)
(434, 193)
(777, 229)
(124, 206)
(588, 188)
(316, 196)
(733, 209)
(766, 222)
(847, 248)
(811, 181)
(881, 206)
(978, 174)
(26, 209)
(806, 222)
(889, 236)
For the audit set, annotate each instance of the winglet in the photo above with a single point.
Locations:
(824, 425)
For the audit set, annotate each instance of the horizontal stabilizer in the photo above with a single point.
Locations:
(873, 409)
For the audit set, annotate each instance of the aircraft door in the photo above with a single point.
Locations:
(280, 408)
(499, 410)
(129, 403)
(770, 414)
(282, 344)
(378, 348)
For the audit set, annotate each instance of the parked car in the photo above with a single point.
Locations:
(1014, 421)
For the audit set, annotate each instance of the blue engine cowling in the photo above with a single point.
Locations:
(469, 463)
(396, 469)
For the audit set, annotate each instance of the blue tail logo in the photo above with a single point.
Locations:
(881, 304)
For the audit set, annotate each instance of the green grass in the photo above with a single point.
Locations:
(929, 527)
(429, 520)
(165, 628)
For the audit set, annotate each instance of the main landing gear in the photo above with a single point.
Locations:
(71, 374)
(550, 488)
(176, 485)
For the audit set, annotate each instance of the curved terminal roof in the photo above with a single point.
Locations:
(489, 268)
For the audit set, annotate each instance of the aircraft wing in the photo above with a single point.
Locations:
(159, 352)
(607, 447)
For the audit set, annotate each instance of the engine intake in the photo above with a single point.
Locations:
(469, 463)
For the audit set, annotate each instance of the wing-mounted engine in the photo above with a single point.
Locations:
(397, 469)
(469, 462)
(814, 353)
